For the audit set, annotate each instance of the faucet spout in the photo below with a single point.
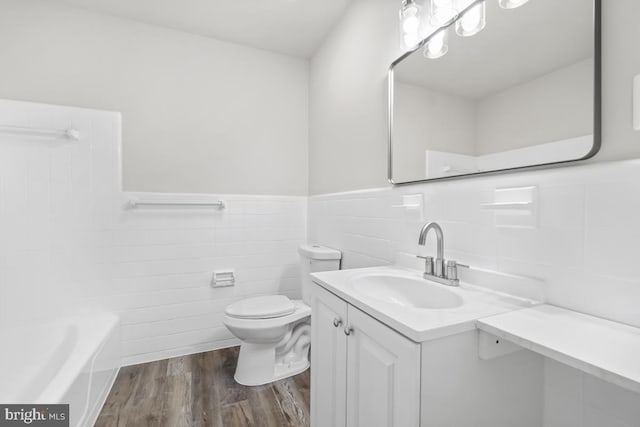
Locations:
(436, 271)
(439, 237)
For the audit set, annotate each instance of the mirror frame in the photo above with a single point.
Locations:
(597, 105)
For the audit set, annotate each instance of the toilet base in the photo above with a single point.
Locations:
(258, 364)
(288, 370)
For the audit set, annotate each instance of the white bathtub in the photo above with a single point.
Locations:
(71, 361)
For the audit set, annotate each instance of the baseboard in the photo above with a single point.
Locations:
(177, 352)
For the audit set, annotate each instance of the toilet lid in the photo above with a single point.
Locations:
(261, 307)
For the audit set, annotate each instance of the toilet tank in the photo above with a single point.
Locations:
(315, 258)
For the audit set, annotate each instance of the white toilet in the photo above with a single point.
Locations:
(274, 330)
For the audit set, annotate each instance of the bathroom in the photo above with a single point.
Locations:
(171, 173)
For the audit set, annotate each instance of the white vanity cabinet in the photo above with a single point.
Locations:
(364, 373)
(329, 359)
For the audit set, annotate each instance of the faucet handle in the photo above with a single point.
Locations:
(452, 269)
(428, 264)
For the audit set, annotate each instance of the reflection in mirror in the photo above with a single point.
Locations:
(500, 88)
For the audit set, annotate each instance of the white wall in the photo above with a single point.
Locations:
(561, 101)
(199, 115)
(68, 243)
(581, 244)
(349, 98)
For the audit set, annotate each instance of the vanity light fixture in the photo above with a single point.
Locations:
(441, 13)
(410, 23)
(472, 22)
(511, 4)
(437, 46)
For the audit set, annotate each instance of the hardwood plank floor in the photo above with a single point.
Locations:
(199, 390)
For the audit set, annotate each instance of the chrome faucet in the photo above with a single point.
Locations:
(446, 277)
(439, 264)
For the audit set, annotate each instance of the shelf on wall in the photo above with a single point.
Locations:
(605, 349)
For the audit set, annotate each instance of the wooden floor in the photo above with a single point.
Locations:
(199, 390)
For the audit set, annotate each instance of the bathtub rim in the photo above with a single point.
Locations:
(94, 329)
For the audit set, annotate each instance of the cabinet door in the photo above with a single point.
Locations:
(328, 359)
(383, 375)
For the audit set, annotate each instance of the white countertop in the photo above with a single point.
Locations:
(605, 349)
(420, 324)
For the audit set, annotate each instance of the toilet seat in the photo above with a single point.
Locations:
(301, 310)
(266, 307)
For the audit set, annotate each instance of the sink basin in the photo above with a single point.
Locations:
(406, 291)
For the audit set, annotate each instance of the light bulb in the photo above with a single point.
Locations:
(410, 40)
(442, 12)
(437, 45)
(511, 4)
(410, 23)
(472, 22)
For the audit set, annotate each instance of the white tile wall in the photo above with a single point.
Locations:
(583, 248)
(575, 399)
(53, 195)
(67, 242)
(161, 262)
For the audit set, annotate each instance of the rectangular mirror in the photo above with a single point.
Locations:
(523, 91)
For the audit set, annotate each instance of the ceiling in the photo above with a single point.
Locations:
(292, 27)
(516, 46)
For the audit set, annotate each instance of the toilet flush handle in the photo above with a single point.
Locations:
(337, 322)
